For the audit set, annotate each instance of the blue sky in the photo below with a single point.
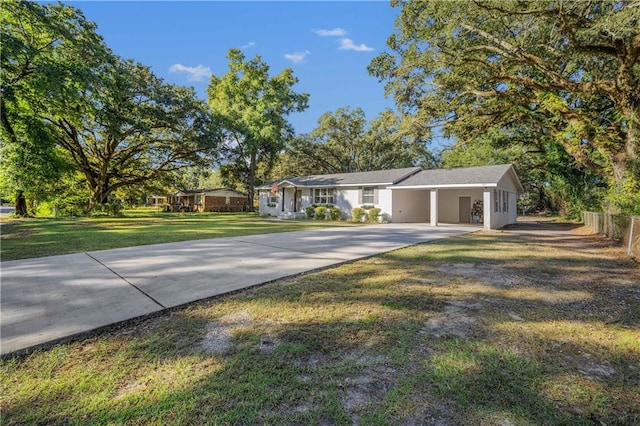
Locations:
(328, 44)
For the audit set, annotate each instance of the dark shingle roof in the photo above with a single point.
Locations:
(458, 176)
(379, 177)
(408, 177)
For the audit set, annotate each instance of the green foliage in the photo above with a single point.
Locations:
(320, 213)
(374, 214)
(141, 129)
(46, 56)
(251, 107)
(345, 142)
(112, 208)
(335, 213)
(310, 211)
(357, 214)
(624, 196)
(550, 72)
(70, 105)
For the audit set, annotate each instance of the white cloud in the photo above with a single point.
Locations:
(348, 44)
(297, 57)
(197, 73)
(248, 45)
(335, 32)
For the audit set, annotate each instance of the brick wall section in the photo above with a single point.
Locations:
(238, 201)
(219, 204)
(214, 201)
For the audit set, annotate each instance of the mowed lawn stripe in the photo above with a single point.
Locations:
(48, 237)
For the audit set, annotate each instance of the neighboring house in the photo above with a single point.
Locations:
(208, 200)
(157, 200)
(486, 194)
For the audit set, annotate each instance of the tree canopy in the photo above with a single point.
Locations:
(565, 72)
(252, 108)
(47, 53)
(65, 94)
(344, 141)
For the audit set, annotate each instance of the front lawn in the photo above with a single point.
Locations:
(48, 237)
(487, 328)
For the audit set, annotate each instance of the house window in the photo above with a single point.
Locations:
(323, 195)
(505, 202)
(272, 199)
(496, 200)
(367, 196)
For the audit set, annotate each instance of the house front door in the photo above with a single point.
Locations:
(464, 209)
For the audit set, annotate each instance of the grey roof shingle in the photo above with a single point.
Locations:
(458, 176)
(407, 177)
(380, 177)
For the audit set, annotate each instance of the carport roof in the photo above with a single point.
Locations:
(460, 177)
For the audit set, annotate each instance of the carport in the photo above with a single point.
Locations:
(479, 195)
(454, 205)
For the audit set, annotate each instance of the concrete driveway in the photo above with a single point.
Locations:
(52, 298)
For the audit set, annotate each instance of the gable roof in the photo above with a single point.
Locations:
(377, 177)
(463, 176)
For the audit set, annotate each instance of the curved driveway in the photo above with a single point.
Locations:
(50, 298)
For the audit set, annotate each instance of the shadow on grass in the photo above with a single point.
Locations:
(350, 345)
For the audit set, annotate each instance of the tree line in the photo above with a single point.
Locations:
(552, 87)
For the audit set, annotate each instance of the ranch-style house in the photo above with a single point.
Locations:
(483, 195)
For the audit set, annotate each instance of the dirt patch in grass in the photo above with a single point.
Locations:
(218, 339)
(533, 325)
(490, 273)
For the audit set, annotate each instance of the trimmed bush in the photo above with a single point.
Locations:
(310, 211)
(321, 213)
(357, 214)
(374, 214)
(335, 213)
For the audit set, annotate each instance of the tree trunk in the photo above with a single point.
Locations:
(21, 204)
(252, 179)
(99, 197)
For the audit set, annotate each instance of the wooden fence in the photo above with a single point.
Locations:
(623, 229)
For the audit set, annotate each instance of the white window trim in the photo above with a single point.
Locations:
(371, 196)
(324, 195)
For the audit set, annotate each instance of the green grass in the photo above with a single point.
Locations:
(48, 237)
(409, 337)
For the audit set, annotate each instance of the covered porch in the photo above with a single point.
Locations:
(285, 201)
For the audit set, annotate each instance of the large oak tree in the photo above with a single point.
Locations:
(252, 107)
(47, 55)
(136, 129)
(112, 120)
(551, 70)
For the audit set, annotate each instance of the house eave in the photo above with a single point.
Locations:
(447, 186)
(342, 185)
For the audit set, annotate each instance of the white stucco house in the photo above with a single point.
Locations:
(484, 195)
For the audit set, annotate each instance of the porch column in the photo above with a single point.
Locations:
(487, 207)
(434, 207)
(282, 199)
(295, 199)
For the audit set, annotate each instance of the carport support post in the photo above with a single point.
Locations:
(434, 207)
(486, 207)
